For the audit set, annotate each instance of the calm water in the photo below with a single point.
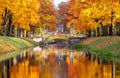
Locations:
(56, 63)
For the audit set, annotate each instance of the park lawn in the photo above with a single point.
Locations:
(104, 47)
(8, 44)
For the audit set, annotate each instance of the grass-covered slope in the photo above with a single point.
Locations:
(104, 47)
(8, 44)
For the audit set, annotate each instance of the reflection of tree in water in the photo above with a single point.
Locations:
(0, 70)
(50, 67)
(35, 59)
(57, 66)
(52, 58)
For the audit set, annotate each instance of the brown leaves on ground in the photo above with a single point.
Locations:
(89, 41)
(108, 42)
(104, 43)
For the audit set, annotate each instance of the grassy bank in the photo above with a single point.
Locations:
(104, 47)
(9, 44)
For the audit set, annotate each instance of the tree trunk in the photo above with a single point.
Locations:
(25, 31)
(5, 29)
(111, 26)
(11, 30)
(118, 29)
(10, 26)
(18, 32)
(111, 30)
(89, 33)
(21, 33)
(105, 31)
(5, 22)
(98, 31)
(15, 31)
(94, 33)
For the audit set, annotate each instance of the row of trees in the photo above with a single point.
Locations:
(17, 17)
(94, 17)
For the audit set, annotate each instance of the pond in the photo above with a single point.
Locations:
(56, 62)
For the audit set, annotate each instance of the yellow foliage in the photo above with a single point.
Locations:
(48, 15)
(90, 13)
(24, 12)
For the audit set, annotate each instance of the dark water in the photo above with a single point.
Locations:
(56, 63)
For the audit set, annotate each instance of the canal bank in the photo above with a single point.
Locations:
(11, 46)
(107, 48)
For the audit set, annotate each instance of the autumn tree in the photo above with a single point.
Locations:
(73, 13)
(19, 14)
(48, 16)
(62, 13)
(93, 14)
(28, 16)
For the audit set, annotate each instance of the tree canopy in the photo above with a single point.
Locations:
(23, 14)
(48, 15)
(89, 14)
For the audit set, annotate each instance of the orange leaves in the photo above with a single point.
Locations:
(35, 4)
(24, 12)
(90, 13)
(2, 13)
(62, 14)
(28, 14)
(48, 15)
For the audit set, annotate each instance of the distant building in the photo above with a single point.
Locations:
(60, 29)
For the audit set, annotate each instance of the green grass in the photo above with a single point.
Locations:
(12, 46)
(8, 44)
(104, 47)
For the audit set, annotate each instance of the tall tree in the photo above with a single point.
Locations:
(94, 14)
(63, 13)
(48, 15)
(19, 13)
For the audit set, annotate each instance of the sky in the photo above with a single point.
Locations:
(56, 2)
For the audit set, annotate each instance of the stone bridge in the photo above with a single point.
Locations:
(60, 37)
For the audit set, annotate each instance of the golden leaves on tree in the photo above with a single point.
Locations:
(48, 15)
(24, 12)
(90, 13)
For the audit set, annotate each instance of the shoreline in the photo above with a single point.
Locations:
(12, 46)
(107, 48)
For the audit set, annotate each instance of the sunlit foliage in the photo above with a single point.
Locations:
(62, 13)
(89, 14)
(23, 13)
(48, 15)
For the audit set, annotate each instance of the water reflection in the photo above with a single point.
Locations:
(57, 63)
